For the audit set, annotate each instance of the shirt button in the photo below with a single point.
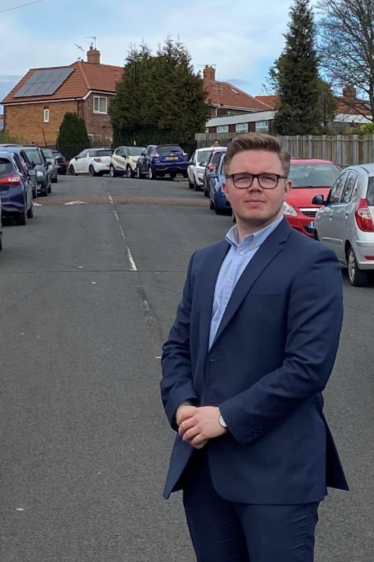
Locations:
(229, 280)
(241, 254)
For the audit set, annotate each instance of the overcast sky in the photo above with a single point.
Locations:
(241, 37)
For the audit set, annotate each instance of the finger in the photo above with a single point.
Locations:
(187, 424)
(185, 414)
(199, 445)
(190, 434)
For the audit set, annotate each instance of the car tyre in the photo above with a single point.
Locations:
(30, 212)
(151, 174)
(21, 219)
(91, 171)
(71, 170)
(195, 186)
(206, 192)
(129, 172)
(173, 175)
(50, 187)
(190, 184)
(211, 204)
(1, 241)
(55, 180)
(217, 208)
(112, 172)
(357, 277)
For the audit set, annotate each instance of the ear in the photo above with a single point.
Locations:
(287, 188)
(224, 187)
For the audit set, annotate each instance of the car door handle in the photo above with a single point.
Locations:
(346, 214)
(330, 217)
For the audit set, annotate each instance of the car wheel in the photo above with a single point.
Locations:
(55, 179)
(112, 172)
(71, 170)
(173, 175)
(190, 184)
(30, 212)
(91, 171)
(50, 187)
(357, 277)
(129, 172)
(195, 186)
(206, 192)
(217, 208)
(211, 204)
(137, 173)
(34, 193)
(1, 241)
(151, 174)
(44, 190)
(21, 219)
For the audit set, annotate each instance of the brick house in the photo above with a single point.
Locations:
(1, 122)
(226, 99)
(35, 108)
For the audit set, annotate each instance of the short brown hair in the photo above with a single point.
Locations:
(257, 141)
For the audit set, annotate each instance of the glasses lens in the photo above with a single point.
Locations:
(243, 181)
(268, 180)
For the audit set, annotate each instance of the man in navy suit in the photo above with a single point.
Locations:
(248, 356)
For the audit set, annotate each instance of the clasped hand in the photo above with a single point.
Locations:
(198, 425)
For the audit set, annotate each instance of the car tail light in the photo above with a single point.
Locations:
(97, 159)
(363, 217)
(14, 180)
(212, 167)
(156, 155)
(63, 159)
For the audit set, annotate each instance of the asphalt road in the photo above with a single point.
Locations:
(88, 290)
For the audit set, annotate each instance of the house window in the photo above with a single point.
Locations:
(46, 116)
(262, 126)
(100, 105)
(242, 128)
(223, 129)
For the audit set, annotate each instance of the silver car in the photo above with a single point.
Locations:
(345, 223)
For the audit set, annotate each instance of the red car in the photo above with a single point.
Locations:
(309, 177)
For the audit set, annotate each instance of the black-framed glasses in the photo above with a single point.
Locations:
(244, 180)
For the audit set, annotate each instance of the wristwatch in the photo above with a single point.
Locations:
(222, 422)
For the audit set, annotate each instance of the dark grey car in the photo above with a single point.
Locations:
(42, 168)
(51, 159)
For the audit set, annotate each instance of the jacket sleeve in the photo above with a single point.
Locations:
(314, 322)
(176, 384)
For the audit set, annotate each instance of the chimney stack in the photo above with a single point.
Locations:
(93, 55)
(209, 74)
(349, 92)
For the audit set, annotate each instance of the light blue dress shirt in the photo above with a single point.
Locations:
(235, 262)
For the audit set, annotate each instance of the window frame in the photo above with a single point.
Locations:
(46, 115)
(223, 128)
(98, 105)
(240, 129)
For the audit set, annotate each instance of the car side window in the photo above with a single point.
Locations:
(25, 157)
(192, 159)
(18, 163)
(90, 154)
(349, 187)
(82, 154)
(336, 190)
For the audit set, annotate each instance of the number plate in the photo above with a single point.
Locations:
(311, 224)
(171, 158)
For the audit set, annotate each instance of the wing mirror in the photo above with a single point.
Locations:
(318, 200)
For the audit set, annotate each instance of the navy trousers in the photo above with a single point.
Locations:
(222, 531)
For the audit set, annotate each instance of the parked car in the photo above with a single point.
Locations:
(61, 162)
(124, 160)
(41, 166)
(161, 159)
(345, 222)
(50, 157)
(196, 168)
(218, 200)
(15, 189)
(309, 177)
(26, 165)
(93, 161)
(211, 166)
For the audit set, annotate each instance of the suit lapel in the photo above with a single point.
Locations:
(263, 257)
(207, 284)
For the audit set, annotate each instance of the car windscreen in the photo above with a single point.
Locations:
(170, 148)
(95, 153)
(34, 156)
(6, 167)
(48, 153)
(313, 175)
(136, 150)
(216, 157)
(370, 194)
(203, 156)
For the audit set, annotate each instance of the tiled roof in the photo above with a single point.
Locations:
(86, 77)
(271, 101)
(228, 95)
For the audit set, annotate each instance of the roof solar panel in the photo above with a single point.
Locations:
(44, 82)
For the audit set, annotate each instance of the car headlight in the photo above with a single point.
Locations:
(289, 211)
(39, 174)
(50, 167)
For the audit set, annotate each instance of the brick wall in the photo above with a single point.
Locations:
(97, 124)
(26, 122)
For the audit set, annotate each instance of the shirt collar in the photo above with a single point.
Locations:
(254, 240)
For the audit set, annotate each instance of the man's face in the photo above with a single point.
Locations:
(256, 207)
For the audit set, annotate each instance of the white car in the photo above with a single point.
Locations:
(124, 160)
(93, 161)
(196, 167)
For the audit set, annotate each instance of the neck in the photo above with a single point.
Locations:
(248, 227)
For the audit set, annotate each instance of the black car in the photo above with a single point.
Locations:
(61, 162)
(161, 159)
(42, 168)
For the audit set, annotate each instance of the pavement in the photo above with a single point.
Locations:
(88, 291)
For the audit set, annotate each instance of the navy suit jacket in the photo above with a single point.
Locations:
(269, 363)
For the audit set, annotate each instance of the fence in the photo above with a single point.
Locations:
(344, 150)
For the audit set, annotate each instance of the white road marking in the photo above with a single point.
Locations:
(76, 203)
(128, 251)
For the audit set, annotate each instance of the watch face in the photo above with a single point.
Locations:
(222, 422)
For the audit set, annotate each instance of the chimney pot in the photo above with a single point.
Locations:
(93, 55)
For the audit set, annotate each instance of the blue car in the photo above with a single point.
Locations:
(161, 159)
(16, 189)
(218, 201)
(1, 228)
